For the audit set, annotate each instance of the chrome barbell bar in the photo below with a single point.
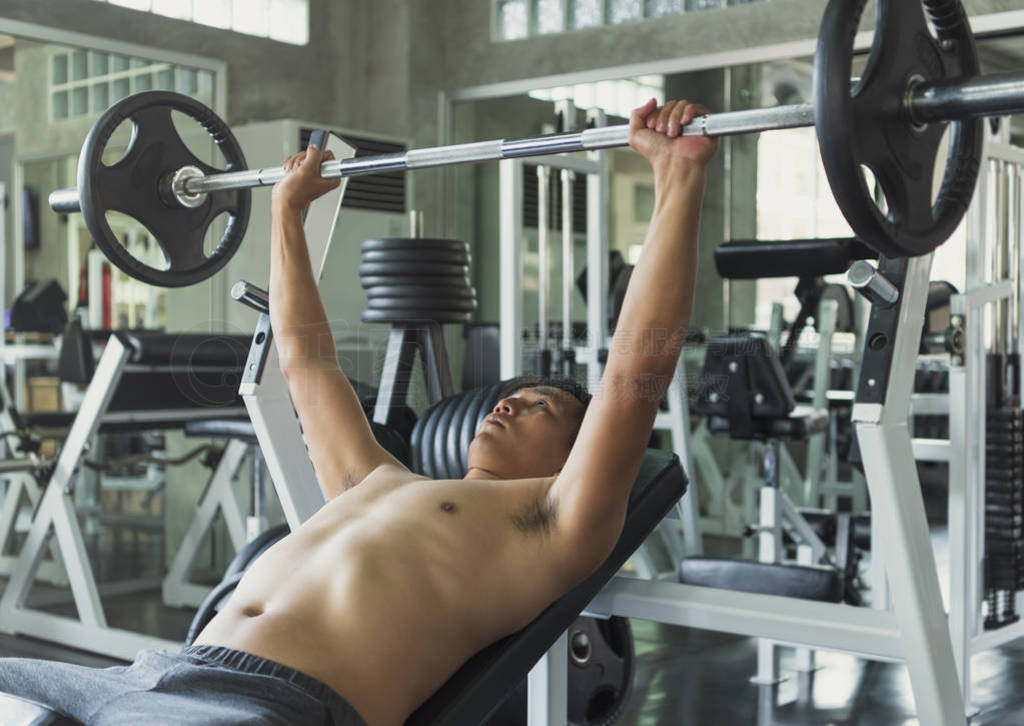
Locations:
(952, 100)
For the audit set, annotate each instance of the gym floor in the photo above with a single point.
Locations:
(686, 676)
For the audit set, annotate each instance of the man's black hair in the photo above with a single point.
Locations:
(573, 388)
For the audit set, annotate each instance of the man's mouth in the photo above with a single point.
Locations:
(494, 420)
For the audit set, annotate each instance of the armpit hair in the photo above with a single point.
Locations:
(537, 517)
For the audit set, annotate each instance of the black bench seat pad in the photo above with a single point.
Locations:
(187, 349)
(803, 421)
(755, 259)
(803, 581)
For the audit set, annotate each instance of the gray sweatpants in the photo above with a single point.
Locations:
(203, 684)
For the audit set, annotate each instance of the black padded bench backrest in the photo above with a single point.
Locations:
(440, 442)
(754, 259)
(742, 378)
(188, 371)
(479, 687)
(186, 349)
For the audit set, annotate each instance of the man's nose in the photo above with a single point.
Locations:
(505, 406)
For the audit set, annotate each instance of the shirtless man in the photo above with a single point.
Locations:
(376, 600)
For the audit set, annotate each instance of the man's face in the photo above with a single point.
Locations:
(528, 434)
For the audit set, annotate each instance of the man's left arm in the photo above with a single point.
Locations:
(591, 492)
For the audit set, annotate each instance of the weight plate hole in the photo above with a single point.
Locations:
(118, 145)
(580, 648)
(198, 140)
(601, 705)
(874, 187)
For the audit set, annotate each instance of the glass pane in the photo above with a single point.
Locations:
(100, 97)
(173, 8)
(79, 101)
(118, 63)
(165, 80)
(251, 17)
(121, 88)
(133, 4)
(623, 11)
(289, 21)
(185, 81)
(548, 16)
(99, 63)
(60, 68)
(585, 14)
(216, 13)
(60, 105)
(79, 65)
(143, 82)
(511, 19)
(138, 63)
(703, 4)
(660, 8)
(204, 82)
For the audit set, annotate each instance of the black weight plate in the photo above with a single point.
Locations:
(869, 126)
(415, 316)
(413, 243)
(420, 291)
(420, 269)
(441, 281)
(132, 185)
(600, 670)
(417, 256)
(413, 304)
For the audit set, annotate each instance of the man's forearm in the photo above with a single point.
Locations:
(301, 330)
(656, 310)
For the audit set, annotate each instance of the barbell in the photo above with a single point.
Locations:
(918, 76)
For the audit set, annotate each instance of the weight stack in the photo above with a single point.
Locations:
(416, 280)
(1004, 495)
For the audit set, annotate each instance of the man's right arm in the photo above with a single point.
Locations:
(340, 441)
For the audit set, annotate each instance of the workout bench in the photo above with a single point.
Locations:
(440, 442)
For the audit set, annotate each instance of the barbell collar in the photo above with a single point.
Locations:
(65, 201)
(254, 296)
(869, 282)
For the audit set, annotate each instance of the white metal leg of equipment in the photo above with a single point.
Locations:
(219, 496)
(265, 391)
(56, 516)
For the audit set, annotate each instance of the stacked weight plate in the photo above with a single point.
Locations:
(410, 280)
(1004, 511)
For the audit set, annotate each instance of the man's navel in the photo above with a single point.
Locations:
(448, 507)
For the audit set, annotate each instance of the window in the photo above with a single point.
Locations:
(616, 98)
(283, 20)
(85, 82)
(795, 201)
(515, 19)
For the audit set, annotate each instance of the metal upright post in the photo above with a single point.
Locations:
(543, 260)
(567, 357)
(510, 217)
(880, 417)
